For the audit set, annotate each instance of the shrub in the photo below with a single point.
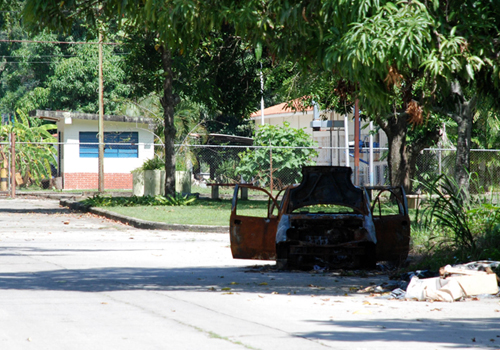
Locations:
(106, 201)
(155, 163)
(459, 227)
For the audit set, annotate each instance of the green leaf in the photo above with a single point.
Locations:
(470, 71)
(258, 51)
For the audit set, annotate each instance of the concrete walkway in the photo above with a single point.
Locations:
(79, 281)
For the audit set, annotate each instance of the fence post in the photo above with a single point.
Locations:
(439, 158)
(244, 193)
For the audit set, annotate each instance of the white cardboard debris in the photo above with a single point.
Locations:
(478, 284)
(448, 269)
(451, 288)
(435, 288)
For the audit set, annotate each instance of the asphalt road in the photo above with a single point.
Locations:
(77, 281)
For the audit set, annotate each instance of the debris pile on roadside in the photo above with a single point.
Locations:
(453, 283)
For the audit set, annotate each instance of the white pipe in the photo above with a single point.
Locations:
(261, 95)
(315, 110)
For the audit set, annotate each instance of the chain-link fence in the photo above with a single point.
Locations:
(484, 167)
(232, 164)
(277, 167)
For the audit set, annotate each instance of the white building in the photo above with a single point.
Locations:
(78, 148)
(332, 137)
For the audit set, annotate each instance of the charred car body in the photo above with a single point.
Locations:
(324, 221)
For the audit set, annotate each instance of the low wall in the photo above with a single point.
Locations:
(84, 181)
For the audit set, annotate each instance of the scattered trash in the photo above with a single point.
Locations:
(376, 289)
(472, 268)
(478, 265)
(398, 294)
(362, 312)
(419, 273)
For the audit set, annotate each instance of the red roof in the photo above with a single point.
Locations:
(283, 108)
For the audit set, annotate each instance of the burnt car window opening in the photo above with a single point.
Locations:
(326, 209)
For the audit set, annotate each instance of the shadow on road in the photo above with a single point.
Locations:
(36, 211)
(459, 333)
(253, 279)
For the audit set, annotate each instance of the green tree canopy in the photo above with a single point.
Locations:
(177, 27)
(33, 158)
(287, 148)
(405, 61)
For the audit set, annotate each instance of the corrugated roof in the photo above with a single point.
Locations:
(59, 115)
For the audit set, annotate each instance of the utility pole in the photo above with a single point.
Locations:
(101, 120)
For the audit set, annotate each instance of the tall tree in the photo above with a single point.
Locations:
(177, 27)
(407, 61)
(376, 53)
(220, 75)
(465, 66)
(40, 73)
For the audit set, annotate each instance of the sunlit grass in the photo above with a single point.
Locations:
(201, 212)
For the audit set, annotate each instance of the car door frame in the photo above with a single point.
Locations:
(253, 237)
(393, 231)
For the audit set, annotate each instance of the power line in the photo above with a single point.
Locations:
(63, 56)
(31, 62)
(39, 56)
(57, 42)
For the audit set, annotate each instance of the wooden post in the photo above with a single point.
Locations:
(215, 191)
(101, 121)
(13, 165)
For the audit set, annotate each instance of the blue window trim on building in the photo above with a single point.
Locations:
(111, 150)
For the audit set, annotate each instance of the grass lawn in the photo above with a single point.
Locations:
(202, 212)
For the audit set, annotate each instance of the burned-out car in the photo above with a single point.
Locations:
(324, 221)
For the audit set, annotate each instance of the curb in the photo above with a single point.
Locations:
(143, 224)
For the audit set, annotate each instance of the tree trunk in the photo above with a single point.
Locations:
(402, 158)
(462, 163)
(168, 103)
(464, 113)
(395, 128)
